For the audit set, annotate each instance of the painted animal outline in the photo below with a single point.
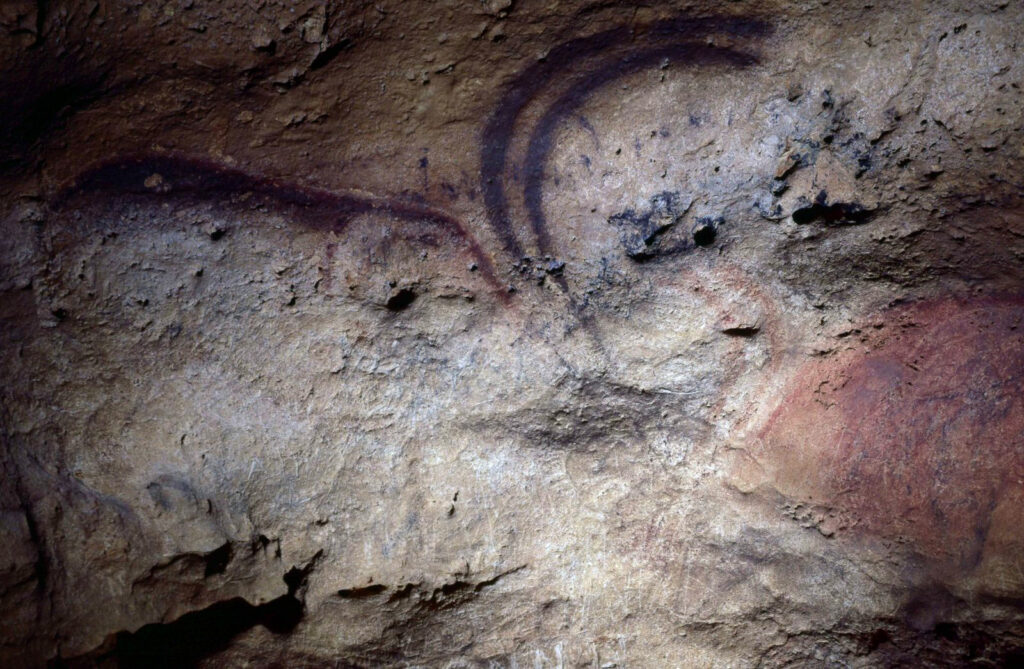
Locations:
(583, 64)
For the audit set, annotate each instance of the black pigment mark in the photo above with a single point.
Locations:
(167, 490)
(424, 166)
(197, 180)
(500, 128)
(540, 268)
(641, 232)
(625, 58)
(586, 125)
(542, 138)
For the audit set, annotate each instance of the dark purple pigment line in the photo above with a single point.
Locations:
(541, 139)
(497, 135)
(210, 182)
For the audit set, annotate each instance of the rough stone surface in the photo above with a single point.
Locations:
(509, 334)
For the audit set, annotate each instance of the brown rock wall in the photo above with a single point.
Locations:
(511, 334)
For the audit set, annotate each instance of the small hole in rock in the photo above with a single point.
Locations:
(704, 232)
(217, 560)
(400, 300)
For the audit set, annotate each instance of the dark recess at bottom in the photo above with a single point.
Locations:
(192, 637)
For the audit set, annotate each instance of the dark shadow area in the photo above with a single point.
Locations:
(400, 300)
(358, 593)
(836, 213)
(198, 635)
(217, 561)
(192, 637)
(33, 112)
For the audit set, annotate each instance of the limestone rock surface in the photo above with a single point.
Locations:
(511, 333)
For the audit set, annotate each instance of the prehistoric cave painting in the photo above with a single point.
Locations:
(580, 68)
(920, 440)
(191, 180)
(567, 76)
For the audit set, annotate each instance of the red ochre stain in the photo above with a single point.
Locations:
(917, 437)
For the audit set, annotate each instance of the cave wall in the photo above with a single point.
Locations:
(511, 333)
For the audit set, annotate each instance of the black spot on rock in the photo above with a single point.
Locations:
(835, 213)
(705, 230)
(641, 231)
(946, 630)
(863, 164)
(554, 268)
(359, 593)
(400, 299)
(778, 187)
(878, 638)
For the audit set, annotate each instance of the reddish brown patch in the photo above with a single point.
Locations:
(920, 436)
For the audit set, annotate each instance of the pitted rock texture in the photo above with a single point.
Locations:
(505, 334)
